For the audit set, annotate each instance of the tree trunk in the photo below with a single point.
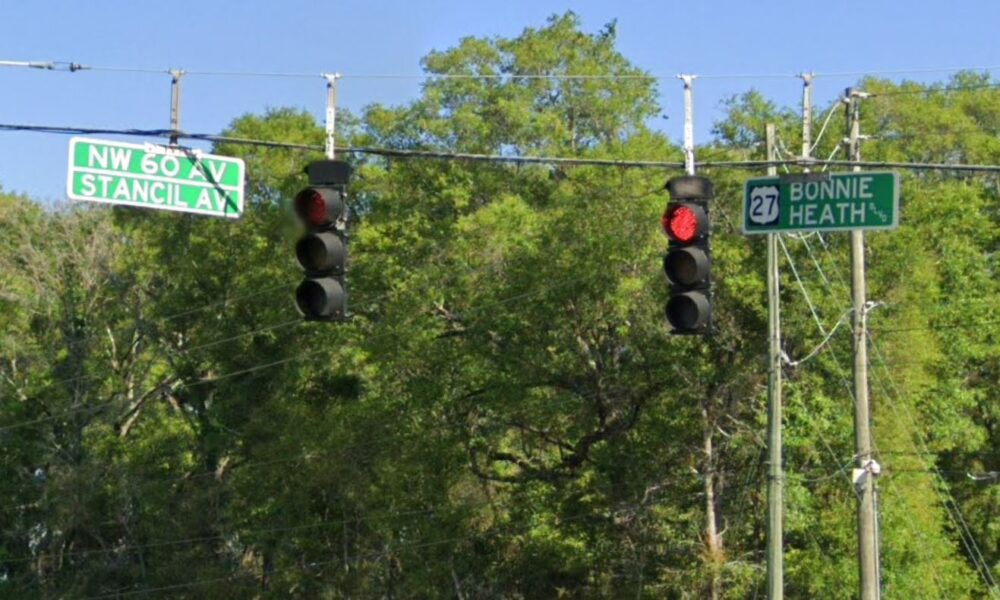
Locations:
(713, 541)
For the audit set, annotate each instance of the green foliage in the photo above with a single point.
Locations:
(505, 414)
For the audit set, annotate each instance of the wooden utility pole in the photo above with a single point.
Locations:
(775, 472)
(866, 469)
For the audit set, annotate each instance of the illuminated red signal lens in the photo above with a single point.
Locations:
(311, 207)
(680, 223)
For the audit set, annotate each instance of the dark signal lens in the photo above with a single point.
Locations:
(686, 266)
(688, 312)
(321, 252)
(321, 298)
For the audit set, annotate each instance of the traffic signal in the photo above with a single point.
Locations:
(322, 249)
(688, 261)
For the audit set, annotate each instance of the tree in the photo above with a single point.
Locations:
(505, 414)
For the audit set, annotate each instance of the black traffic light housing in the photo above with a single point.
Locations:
(688, 261)
(322, 249)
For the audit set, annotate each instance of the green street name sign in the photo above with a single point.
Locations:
(821, 202)
(152, 176)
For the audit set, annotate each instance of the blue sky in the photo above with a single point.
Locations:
(382, 36)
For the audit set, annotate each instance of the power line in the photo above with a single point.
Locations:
(819, 347)
(74, 343)
(964, 533)
(829, 286)
(302, 457)
(822, 129)
(968, 324)
(498, 158)
(352, 453)
(208, 538)
(357, 559)
(943, 491)
(297, 357)
(289, 323)
(826, 334)
(268, 365)
(936, 90)
(904, 71)
(387, 152)
(75, 67)
(811, 162)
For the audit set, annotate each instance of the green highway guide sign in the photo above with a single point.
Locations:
(154, 176)
(821, 202)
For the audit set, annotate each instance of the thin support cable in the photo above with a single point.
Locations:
(805, 241)
(812, 309)
(794, 363)
(959, 520)
(944, 493)
(836, 361)
(826, 164)
(802, 288)
(784, 150)
(826, 121)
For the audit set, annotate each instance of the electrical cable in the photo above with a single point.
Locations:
(935, 90)
(836, 361)
(275, 363)
(805, 242)
(84, 340)
(266, 328)
(822, 330)
(794, 363)
(904, 71)
(305, 456)
(943, 491)
(71, 66)
(979, 563)
(943, 326)
(356, 560)
(783, 150)
(892, 404)
(822, 130)
(497, 158)
(208, 538)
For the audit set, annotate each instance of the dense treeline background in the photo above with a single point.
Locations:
(505, 416)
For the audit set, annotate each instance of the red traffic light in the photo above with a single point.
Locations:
(319, 207)
(684, 222)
